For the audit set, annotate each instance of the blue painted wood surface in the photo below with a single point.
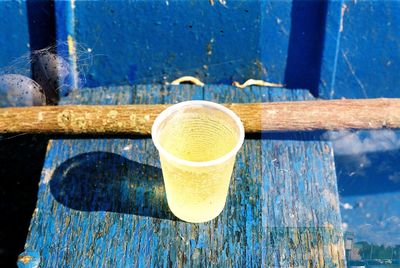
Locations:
(28, 259)
(14, 32)
(101, 202)
(331, 45)
(323, 46)
(24, 26)
(65, 44)
(362, 50)
(158, 41)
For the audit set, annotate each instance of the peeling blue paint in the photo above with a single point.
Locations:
(103, 228)
(29, 259)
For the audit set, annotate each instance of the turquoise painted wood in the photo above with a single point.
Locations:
(101, 202)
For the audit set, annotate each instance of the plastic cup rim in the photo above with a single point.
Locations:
(167, 112)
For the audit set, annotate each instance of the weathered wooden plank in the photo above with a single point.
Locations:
(102, 203)
(301, 217)
(79, 219)
(241, 218)
(295, 194)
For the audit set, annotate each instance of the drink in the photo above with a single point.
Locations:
(197, 142)
(198, 136)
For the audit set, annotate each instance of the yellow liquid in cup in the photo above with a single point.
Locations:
(197, 194)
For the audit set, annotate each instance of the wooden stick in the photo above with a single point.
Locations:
(256, 117)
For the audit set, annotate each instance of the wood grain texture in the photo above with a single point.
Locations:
(288, 190)
(101, 202)
(302, 216)
(138, 119)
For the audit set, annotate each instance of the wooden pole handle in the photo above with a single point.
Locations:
(256, 117)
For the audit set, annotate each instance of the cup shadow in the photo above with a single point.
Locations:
(102, 181)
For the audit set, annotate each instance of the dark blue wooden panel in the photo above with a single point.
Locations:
(323, 46)
(101, 202)
(366, 61)
(144, 42)
(274, 38)
(304, 54)
(158, 41)
(331, 46)
(41, 23)
(14, 31)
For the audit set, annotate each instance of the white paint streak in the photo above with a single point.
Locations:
(222, 2)
(46, 173)
(352, 71)
(72, 54)
(281, 26)
(330, 197)
(347, 206)
(127, 148)
(344, 9)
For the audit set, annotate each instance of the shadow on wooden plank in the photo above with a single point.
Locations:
(21, 161)
(95, 136)
(41, 23)
(303, 66)
(316, 135)
(103, 181)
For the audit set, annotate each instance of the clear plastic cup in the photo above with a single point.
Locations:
(197, 142)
